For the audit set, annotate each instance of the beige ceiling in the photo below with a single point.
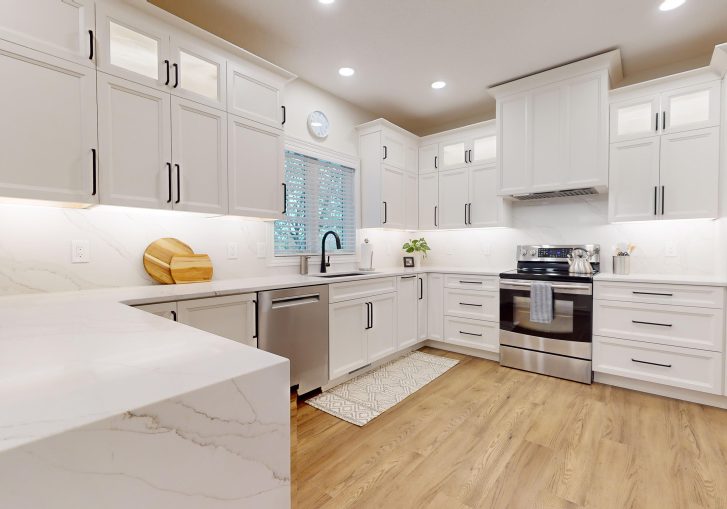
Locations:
(398, 47)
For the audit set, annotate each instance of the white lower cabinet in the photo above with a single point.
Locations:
(435, 306)
(472, 333)
(47, 126)
(407, 289)
(423, 288)
(475, 304)
(232, 317)
(640, 334)
(361, 331)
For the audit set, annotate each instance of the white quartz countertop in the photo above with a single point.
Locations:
(674, 279)
(68, 359)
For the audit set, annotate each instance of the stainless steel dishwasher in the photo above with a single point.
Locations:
(293, 323)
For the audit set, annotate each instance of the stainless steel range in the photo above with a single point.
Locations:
(546, 311)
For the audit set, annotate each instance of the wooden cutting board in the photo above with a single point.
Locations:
(194, 268)
(158, 256)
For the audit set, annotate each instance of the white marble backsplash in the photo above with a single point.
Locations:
(35, 243)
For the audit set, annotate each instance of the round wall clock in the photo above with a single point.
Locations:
(318, 124)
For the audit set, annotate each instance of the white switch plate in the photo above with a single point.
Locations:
(233, 251)
(261, 250)
(80, 251)
(670, 249)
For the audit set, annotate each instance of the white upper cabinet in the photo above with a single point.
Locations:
(634, 180)
(48, 142)
(586, 125)
(255, 169)
(513, 160)
(255, 93)
(63, 28)
(454, 154)
(199, 71)
(135, 154)
(133, 46)
(392, 197)
(468, 147)
(393, 149)
(454, 198)
(690, 108)
(429, 158)
(411, 201)
(486, 208)
(632, 119)
(199, 152)
(428, 201)
(483, 148)
(549, 160)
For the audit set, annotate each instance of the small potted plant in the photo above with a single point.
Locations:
(418, 248)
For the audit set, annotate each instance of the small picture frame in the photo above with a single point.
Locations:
(409, 261)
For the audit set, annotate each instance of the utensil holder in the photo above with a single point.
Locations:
(621, 264)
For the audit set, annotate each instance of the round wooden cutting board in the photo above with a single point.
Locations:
(158, 257)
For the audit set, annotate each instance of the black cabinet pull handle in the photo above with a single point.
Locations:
(386, 152)
(435, 216)
(465, 213)
(176, 75)
(166, 63)
(652, 323)
(470, 334)
(94, 169)
(372, 314)
(655, 198)
(469, 210)
(654, 293)
(662, 200)
(468, 304)
(421, 288)
(663, 121)
(656, 126)
(179, 184)
(174, 316)
(254, 301)
(436, 161)
(369, 316)
(169, 170)
(471, 282)
(90, 50)
(470, 151)
(285, 118)
(651, 363)
(285, 198)
(386, 213)
(465, 157)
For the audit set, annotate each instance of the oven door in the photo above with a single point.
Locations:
(572, 317)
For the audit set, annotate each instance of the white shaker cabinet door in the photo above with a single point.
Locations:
(381, 337)
(453, 198)
(549, 161)
(690, 108)
(632, 119)
(407, 296)
(134, 144)
(63, 28)
(634, 180)
(255, 94)
(392, 195)
(411, 201)
(453, 154)
(255, 169)
(513, 159)
(201, 72)
(486, 207)
(428, 201)
(393, 150)
(231, 317)
(586, 149)
(347, 350)
(47, 127)
(166, 310)
(199, 153)
(429, 158)
(422, 313)
(689, 174)
(435, 306)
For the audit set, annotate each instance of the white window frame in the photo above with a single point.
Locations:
(319, 152)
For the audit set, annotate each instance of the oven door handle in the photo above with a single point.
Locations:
(585, 289)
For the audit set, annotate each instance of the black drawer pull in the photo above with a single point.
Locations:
(470, 334)
(421, 289)
(471, 282)
(91, 41)
(407, 277)
(174, 315)
(468, 304)
(652, 323)
(654, 293)
(651, 363)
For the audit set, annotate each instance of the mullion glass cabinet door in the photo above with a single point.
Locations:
(690, 108)
(635, 118)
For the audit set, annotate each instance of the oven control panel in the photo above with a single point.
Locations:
(556, 253)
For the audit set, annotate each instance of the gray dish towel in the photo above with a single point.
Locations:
(541, 302)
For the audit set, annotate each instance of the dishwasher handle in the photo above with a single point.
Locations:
(298, 300)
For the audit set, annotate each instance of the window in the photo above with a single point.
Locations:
(320, 197)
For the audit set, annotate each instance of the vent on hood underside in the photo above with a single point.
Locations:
(556, 194)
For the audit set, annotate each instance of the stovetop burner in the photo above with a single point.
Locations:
(550, 263)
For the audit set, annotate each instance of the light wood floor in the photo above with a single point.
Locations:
(482, 436)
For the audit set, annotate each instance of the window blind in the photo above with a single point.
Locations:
(320, 197)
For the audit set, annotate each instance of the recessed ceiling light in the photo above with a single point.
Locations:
(668, 5)
(326, 1)
(346, 71)
(438, 84)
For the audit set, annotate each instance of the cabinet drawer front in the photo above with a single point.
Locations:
(358, 289)
(668, 325)
(471, 282)
(472, 304)
(472, 333)
(679, 367)
(676, 295)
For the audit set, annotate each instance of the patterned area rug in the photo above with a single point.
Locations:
(369, 395)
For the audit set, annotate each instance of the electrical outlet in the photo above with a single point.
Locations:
(261, 250)
(670, 249)
(80, 251)
(232, 251)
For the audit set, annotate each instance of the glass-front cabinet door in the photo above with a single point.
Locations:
(132, 47)
(484, 149)
(695, 107)
(635, 118)
(199, 72)
(453, 155)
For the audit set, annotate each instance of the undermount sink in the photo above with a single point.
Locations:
(343, 274)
